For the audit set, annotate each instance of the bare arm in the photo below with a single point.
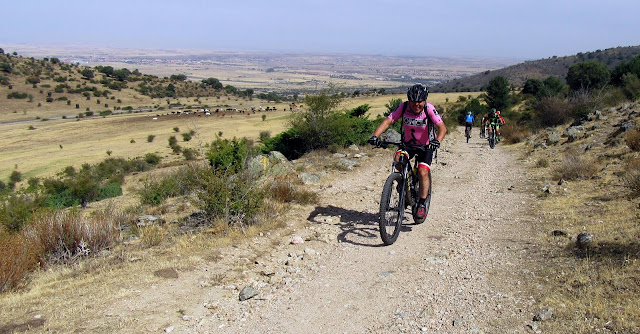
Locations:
(442, 131)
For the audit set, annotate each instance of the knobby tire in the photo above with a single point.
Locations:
(391, 209)
(492, 140)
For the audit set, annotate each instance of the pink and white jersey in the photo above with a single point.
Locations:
(415, 126)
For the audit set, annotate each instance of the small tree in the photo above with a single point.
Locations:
(588, 75)
(87, 73)
(14, 178)
(498, 93)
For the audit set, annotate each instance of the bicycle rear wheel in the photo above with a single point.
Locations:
(492, 140)
(391, 209)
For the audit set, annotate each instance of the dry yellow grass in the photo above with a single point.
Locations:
(56, 144)
(594, 289)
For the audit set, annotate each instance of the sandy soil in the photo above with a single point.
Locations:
(462, 271)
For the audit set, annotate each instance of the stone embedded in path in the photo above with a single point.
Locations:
(247, 292)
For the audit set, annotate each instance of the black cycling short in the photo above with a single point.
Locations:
(424, 156)
(469, 125)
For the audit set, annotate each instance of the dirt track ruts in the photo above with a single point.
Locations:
(461, 271)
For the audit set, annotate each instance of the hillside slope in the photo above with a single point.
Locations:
(461, 271)
(538, 69)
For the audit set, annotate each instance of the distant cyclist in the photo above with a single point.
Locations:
(415, 123)
(483, 125)
(493, 117)
(500, 123)
(468, 121)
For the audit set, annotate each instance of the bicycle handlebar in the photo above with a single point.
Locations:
(385, 144)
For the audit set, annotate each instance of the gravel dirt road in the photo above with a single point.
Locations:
(462, 271)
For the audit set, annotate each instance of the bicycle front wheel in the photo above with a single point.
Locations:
(392, 208)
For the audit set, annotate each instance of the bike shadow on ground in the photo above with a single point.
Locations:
(358, 228)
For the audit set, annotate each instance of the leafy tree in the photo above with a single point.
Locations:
(6, 67)
(213, 83)
(475, 107)
(532, 87)
(588, 75)
(498, 93)
(230, 89)
(632, 67)
(360, 110)
(14, 178)
(121, 74)
(631, 86)
(170, 90)
(392, 106)
(106, 70)
(87, 73)
(178, 77)
(553, 85)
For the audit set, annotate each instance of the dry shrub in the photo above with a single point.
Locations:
(513, 133)
(575, 167)
(551, 112)
(18, 256)
(542, 162)
(66, 235)
(632, 176)
(633, 140)
(152, 235)
(289, 188)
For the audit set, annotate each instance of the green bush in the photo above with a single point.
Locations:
(173, 141)
(233, 198)
(264, 135)
(61, 200)
(320, 127)
(155, 192)
(181, 182)
(152, 159)
(189, 153)
(16, 211)
(229, 155)
(17, 95)
(109, 191)
(150, 138)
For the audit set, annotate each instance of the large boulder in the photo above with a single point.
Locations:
(274, 163)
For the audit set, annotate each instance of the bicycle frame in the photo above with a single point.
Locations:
(403, 181)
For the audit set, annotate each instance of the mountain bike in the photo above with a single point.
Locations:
(467, 132)
(493, 138)
(401, 191)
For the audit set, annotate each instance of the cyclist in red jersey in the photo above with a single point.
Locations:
(415, 123)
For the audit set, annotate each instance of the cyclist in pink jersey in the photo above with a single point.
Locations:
(417, 114)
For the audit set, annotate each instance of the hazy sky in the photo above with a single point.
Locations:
(522, 29)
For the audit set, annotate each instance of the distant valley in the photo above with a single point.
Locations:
(276, 72)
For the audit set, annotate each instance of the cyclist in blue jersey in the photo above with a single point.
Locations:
(468, 120)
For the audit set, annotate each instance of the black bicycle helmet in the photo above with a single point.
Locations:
(418, 92)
